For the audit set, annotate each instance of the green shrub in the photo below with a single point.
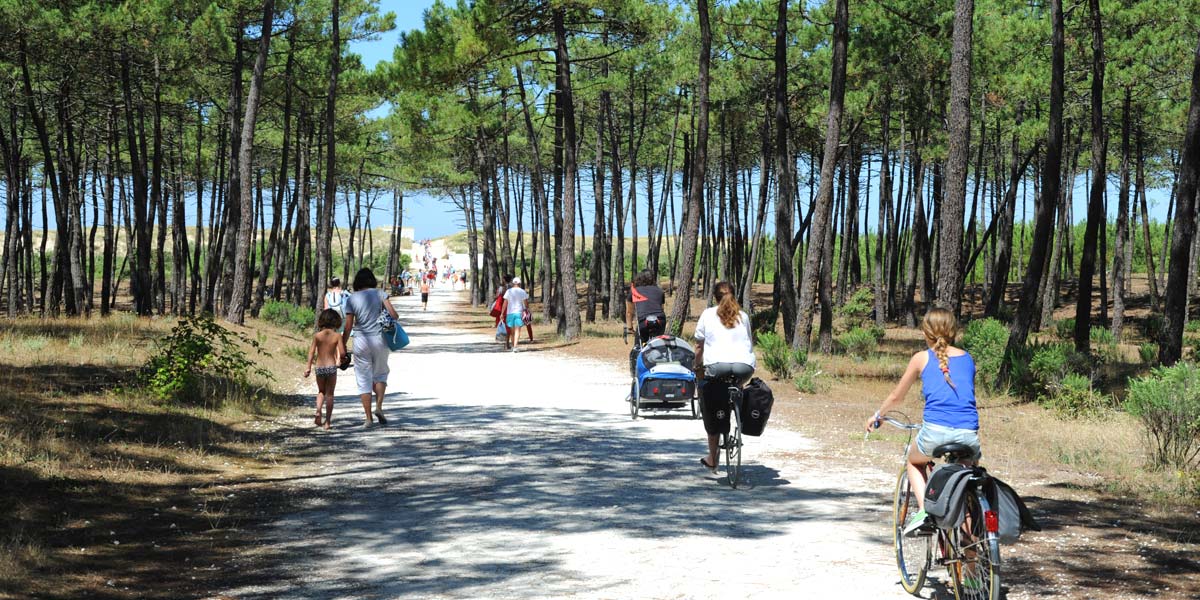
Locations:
(1104, 344)
(986, 340)
(296, 352)
(1148, 352)
(274, 311)
(1074, 397)
(36, 343)
(807, 380)
(857, 310)
(776, 354)
(303, 318)
(201, 361)
(1153, 325)
(763, 321)
(1065, 329)
(859, 342)
(1192, 326)
(1167, 401)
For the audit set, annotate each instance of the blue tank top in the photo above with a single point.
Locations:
(950, 406)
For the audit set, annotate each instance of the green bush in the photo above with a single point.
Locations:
(1148, 352)
(763, 321)
(1192, 326)
(859, 342)
(1104, 344)
(201, 361)
(1153, 325)
(986, 340)
(1167, 401)
(303, 318)
(857, 310)
(1074, 397)
(274, 311)
(1065, 329)
(807, 380)
(776, 354)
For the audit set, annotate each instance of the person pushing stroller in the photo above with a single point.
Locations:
(644, 313)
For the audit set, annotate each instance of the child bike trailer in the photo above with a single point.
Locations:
(663, 379)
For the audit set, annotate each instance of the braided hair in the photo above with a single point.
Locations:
(940, 327)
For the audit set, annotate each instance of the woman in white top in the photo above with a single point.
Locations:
(371, 352)
(724, 350)
(335, 298)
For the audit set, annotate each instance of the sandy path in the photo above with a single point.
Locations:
(507, 475)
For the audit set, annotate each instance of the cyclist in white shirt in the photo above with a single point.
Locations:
(724, 349)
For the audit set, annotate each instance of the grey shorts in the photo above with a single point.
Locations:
(933, 435)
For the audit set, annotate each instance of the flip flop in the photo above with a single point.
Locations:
(711, 468)
(379, 415)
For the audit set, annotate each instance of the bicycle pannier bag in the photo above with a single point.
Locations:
(757, 401)
(1015, 518)
(944, 494)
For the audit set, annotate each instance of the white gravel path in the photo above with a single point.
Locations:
(507, 475)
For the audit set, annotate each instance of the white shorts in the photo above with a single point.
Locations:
(370, 361)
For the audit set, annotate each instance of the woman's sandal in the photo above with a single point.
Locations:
(379, 415)
(711, 468)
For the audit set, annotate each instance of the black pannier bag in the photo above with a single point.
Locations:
(1014, 517)
(944, 494)
(757, 401)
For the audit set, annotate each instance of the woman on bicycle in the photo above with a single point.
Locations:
(947, 378)
(724, 350)
(644, 313)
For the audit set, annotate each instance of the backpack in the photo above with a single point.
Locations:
(339, 305)
(757, 401)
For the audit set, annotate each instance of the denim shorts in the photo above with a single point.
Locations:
(933, 435)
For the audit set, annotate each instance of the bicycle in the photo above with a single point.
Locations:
(970, 552)
(731, 442)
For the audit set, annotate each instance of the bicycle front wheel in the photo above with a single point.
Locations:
(975, 562)
(912, 554)
(733, 447)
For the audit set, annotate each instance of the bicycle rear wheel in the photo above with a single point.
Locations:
(912, 554)
(733, 447)
(975, 565)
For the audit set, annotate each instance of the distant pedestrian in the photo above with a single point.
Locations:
(424, 295)
(370, 350)
(327, 350)
(515, 301)
(335, 299)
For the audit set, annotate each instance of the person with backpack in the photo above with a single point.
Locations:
(644, 314)
(516, 301)
(947, 375)
(335, 299)
(724, 348)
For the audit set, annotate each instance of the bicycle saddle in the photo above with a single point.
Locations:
(953, 451)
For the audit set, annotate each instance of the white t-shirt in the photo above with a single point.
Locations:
(725, 345)
(516, 298)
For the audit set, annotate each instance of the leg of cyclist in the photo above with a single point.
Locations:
(918, 472)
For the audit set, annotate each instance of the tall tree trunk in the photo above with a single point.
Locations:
(1151, 276)
(824, 201)
(1121, 265)
(542, 203)
(686, 257)
(1170, 348)
(785, 174)
(885, 210)
(1095, 214)
(568, 322)
(236, 310)
(1051, 183)
(950, 228)
(325, 211)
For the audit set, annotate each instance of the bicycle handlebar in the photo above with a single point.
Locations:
(898, 424)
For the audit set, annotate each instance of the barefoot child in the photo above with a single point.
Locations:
(327, 349)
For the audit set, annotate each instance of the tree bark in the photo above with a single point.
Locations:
(1170, 349)
(568, 321)
(686, 257)
(1095, 213)
(1120, 264)
(325, 210)
(824, 201)
(950, 229)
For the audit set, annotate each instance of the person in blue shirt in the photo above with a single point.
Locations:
(947, 375)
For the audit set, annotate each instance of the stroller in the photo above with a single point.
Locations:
(662, 376)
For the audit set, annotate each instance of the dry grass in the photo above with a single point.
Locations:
(109, 492)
